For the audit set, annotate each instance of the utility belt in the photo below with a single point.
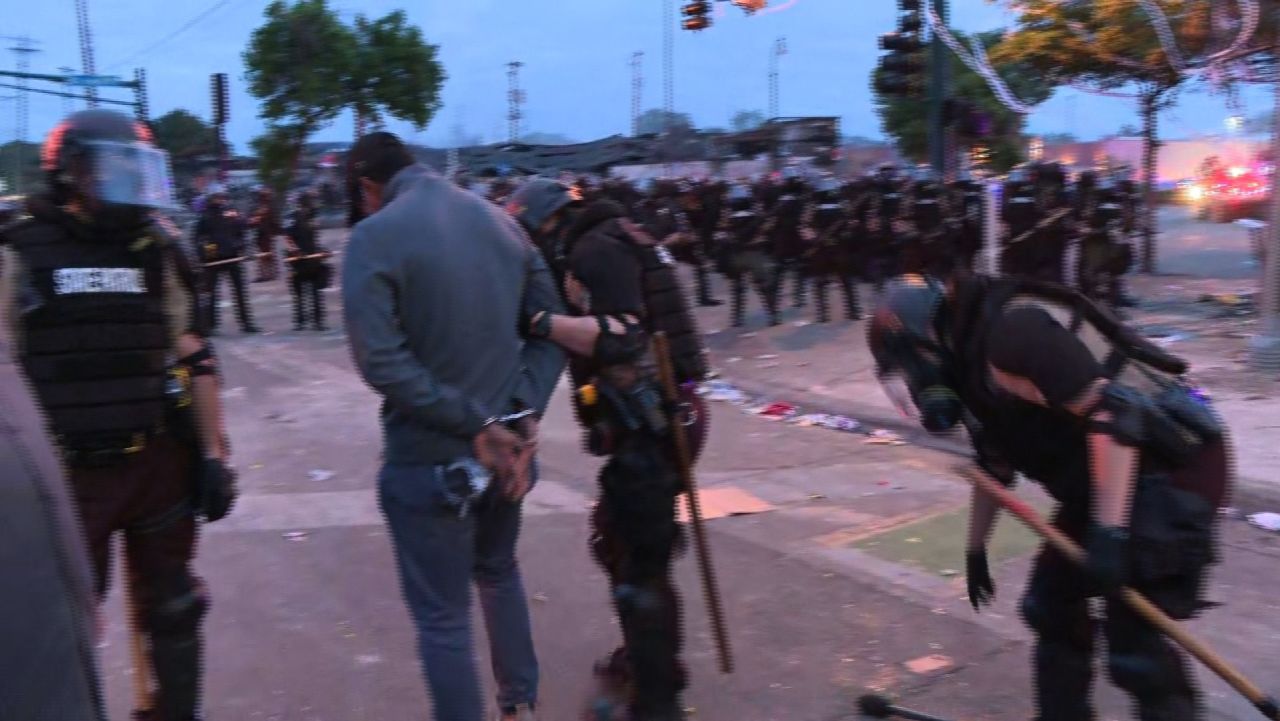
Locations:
(105, 450)
(611, 415)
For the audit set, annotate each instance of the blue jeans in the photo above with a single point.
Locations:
(439, 554)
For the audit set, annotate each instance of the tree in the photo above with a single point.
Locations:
(1059, 138)
(652, 122)
(278, 151)
(378, 68)
(394, 71)
(1128, 131)
(1109, 44)
(746, 120)
(186, 138)
(906, 120)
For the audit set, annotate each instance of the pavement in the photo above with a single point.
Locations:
(843, 579)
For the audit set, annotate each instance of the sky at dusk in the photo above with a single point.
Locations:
(577, 75)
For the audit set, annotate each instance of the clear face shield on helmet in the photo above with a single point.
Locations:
(129, 174)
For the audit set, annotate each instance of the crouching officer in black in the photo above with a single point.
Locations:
(1055, 388)
(623, 287)
(105, 322)
(308, 272)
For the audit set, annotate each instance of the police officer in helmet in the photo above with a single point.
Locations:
(621, 288)
(1053, 387)
(106, 325)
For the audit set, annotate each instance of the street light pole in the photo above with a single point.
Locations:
(1265, 346)
(938, 67)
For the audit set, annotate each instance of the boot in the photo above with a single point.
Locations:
(799, 293)
(852, 306)
(820, 289)
(738, 300)
(704, 286)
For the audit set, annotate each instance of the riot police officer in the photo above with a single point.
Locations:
(884, 250)
(744, 256)
(966, 194)
(221, 238)
(789, 234)
(927, 248)
(1058, 390)
(831, 256)
(622, 287)
(106, 302)
(1105, 253)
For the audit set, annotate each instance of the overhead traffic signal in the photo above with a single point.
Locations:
(902, 71)
(697, 15)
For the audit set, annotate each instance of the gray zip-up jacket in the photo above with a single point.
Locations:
(433, 285)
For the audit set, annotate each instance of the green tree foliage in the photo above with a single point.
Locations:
(906, 120)
(306, 67)
(1111, 44)
(651, 122)
(746, 120)
(278, 151)
(186, 138)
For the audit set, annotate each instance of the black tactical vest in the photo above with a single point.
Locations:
(667, 310)
(95, 337)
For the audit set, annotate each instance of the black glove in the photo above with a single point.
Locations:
(982, 590)
(1107, 558)
(216, 490)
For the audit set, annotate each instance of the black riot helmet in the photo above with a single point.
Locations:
(538, 200)
(908, 339)
(108, 162)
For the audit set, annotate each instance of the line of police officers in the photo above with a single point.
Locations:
(824, 232)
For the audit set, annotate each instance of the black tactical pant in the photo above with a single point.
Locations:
(634, 539)
(1140, 660)
(702, 269)
(758, 269)
(234, 272)
(146, 497)
(848, 288)
(305, 283)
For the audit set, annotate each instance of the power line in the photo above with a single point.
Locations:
(162, 41)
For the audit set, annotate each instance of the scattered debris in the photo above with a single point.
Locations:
(722, 501)
(295, 536)
(816, 497)
(368, 659)
(320, 475)
(734, 359)
(928, 664)
(256, 466)
(882, 437)
(540, 597)
(1231, 512)
(1266, 521)
(767, 356)
(948, 572)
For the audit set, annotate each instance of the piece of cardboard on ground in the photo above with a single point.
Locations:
(721, 501)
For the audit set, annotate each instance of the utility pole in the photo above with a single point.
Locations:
(668, 79)
(88, 66)
(141, 106)
(637, 89)
(779, 49)
(938, 89)
(1265, 346)
(515, 99)
(23, 51)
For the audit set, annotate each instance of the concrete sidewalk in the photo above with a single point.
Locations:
(827, 368)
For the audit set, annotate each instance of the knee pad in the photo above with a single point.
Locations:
(1140, 674)
(1056, 623)
(179, 614)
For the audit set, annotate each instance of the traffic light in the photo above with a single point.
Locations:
(902, 71)
(900, 43)
(140, 105)
(697, 15)
(221, 110)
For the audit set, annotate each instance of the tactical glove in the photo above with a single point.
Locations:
(1107, 558)
(982, 590)
(216, 490)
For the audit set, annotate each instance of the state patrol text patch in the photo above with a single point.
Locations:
(67, 281)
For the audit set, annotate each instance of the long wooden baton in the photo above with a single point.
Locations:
(1139, 603)
(143, 698)
(667, 376)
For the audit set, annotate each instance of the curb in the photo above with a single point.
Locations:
(1250, 494)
